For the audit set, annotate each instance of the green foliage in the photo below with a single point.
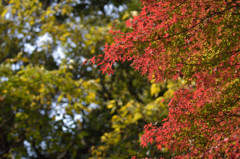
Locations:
(129, 118)
(31, 100)
(41, 96)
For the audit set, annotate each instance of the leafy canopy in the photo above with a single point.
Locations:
(41, 95)
(197, 40)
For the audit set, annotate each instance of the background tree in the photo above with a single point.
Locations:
(54, 107)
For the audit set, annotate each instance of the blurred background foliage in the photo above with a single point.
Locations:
(52, 106)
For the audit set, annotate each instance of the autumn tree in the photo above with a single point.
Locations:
(194, 40)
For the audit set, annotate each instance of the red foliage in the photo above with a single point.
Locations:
(199, 41)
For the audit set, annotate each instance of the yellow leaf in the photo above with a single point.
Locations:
(137, 116)
(24, 59)
(91, 96)
(11, 1)
(155, 89)
(125, 16)
(66, 34)
(111, 104)
(60, 98)
(88, 36)
(97, 80)
(93, 49)
(24, 79)
(41, 90)
(48, 12)
(64, 11)
(32, 22)
(4, 13)
(115, 118)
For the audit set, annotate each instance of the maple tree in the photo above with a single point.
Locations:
(194, 40)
